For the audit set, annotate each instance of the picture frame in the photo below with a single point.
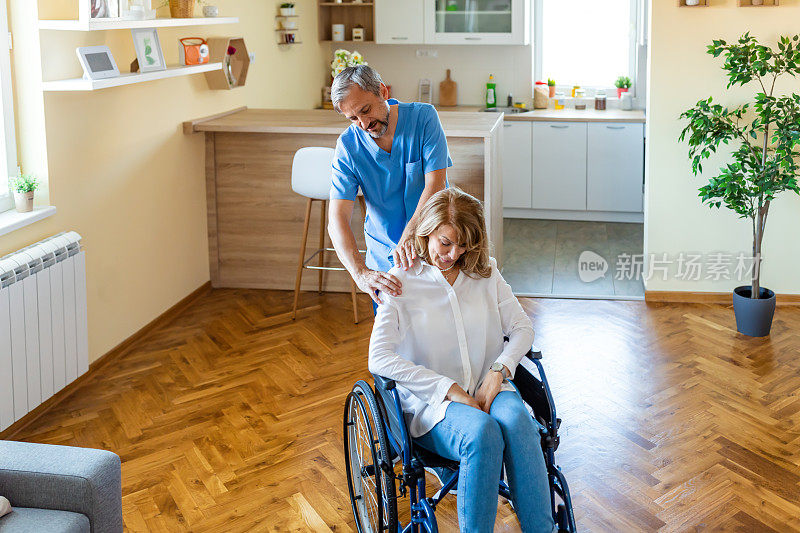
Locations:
(148, 49)
(97, 62)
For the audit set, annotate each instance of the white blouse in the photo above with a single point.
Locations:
(434, 335)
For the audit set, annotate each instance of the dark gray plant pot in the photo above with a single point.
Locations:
(753, 317)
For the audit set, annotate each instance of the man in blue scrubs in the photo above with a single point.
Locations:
(396, 153)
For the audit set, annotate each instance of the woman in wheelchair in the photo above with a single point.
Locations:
(442, 342)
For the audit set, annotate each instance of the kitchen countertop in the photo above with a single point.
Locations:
(323, 121)
(562, 115)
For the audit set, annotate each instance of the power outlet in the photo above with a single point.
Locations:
(427, 53)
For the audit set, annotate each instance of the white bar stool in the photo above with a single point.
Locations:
(311, 177)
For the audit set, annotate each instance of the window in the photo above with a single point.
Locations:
(589, 43)
(8, 143)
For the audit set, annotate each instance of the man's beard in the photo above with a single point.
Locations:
(384, 127)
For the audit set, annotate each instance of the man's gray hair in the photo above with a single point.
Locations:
(364, 76)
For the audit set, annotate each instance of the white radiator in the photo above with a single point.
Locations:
(44, 343)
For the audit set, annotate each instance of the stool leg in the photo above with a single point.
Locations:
(322, 242)
(355, 301)
(299, 276)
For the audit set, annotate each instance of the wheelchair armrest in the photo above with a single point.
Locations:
(384, 383)
(534, 353)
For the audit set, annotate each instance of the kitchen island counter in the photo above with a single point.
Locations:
(255, 220)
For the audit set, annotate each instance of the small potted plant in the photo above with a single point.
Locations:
(764, 136)
(24, 186)
(622, 84)
(287, 9)
(551, 85)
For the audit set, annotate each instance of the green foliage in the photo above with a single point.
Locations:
(551, 82)
(764, 133)
(623, 82)
(24, 183)
(287, 4)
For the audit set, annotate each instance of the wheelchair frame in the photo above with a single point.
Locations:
(413, 474)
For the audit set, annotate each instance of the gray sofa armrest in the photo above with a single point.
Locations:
(81, 480)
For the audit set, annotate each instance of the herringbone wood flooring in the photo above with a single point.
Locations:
(229, 418)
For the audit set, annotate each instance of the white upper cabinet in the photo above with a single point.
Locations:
(477, 21)
(399, 21)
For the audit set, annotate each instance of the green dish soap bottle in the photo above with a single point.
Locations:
(491, 93)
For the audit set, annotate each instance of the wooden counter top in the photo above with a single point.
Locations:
(551, 115)
(324, 121)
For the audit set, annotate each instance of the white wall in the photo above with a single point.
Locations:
(681, 74)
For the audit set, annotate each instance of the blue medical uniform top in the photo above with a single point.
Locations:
(392, 183)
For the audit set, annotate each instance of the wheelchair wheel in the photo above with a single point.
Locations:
(368, 463)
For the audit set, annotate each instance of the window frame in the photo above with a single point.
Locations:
(637, 52)
(8, 139)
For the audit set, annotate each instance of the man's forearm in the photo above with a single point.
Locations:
(431, 188)
(344, 242)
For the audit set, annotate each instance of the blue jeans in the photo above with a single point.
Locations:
(482, 443)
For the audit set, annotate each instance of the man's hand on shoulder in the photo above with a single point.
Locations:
(404, 253)
(370, 281)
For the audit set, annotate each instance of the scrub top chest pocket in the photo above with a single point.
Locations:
(415, 183)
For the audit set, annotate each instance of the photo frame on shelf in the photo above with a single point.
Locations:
(97, 62)
(148, 49)
(98, 9)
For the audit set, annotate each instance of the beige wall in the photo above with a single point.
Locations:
(118, 167)
(682, 73)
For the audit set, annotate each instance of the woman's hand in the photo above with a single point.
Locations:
(404, 254)
(488, 390)
(457, 394)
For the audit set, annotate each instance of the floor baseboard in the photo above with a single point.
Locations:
(112, 355)
(724, 298)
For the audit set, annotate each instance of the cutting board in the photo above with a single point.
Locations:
(448, 92)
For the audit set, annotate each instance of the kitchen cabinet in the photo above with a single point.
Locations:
(615, 171)
(399, 22)
(517, 164)
(559, 166)
(477, 21)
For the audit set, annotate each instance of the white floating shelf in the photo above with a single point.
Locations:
(81, 84)
(119, 24)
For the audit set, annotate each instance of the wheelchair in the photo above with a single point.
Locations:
(376, 440)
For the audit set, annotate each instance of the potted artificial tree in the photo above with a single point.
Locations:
(24, 186)
(764, 161)
(622, 84)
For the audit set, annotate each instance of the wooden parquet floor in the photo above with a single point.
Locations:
(229, 418)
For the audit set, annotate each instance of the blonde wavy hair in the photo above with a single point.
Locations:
(464, 213)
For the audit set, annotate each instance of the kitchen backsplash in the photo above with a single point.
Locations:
(470, 66)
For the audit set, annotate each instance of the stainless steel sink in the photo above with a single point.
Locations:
(499, 109)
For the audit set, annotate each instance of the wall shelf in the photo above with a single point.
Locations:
(767, 3)
(703, 3)
(362, 15)
(82, 84)
(119, 24)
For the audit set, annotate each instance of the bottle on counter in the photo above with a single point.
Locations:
(600, 100)
(491, 94)
(561, 100)
(580, 102)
